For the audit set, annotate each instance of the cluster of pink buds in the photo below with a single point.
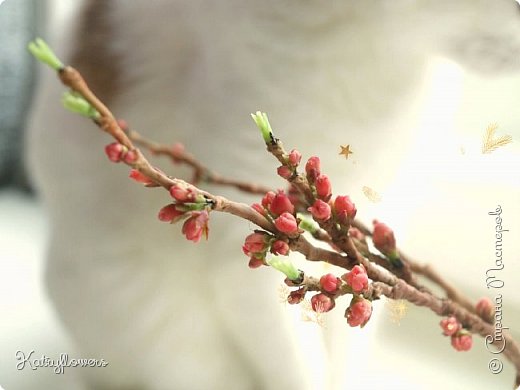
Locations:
(461, 339)
(257, 245)
(187, 204)
(319, 181)
(357, 279)
(323, 208)
(360, 309)
(117, 152)
(293, 159)
(279, 208)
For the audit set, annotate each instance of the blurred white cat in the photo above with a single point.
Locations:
(167, 314)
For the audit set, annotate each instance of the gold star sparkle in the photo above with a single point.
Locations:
(490, 143)
(398, 310)
(345, 150)
(371, 194)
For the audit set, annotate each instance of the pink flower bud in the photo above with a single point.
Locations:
(286, 223)
(177, 151)
(195, 226)
(130, 157)
(313, 168)
(182, 193)
(115, 151)
(356, 233)
(256, 243)
(139, 177)
(323, 187)
(383, 238)
(330, 283)
(322, 303)
(357, 278)
(255, 262)
(170, 214)
(462, 341)
(122, 124)
(450, 326)
(280, 247)
(268, 198)
(258, 208)
(359, 312)
(345, 209)
(296, 296)
(284, 172)
(295, 157)
(281, 204)
(320, 210)
(485, 309)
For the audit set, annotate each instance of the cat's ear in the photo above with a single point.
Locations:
(483, 36)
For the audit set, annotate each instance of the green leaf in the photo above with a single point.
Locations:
(44, 53)
(76, 103)
(307, 224)
(262, 122)
(286, 267)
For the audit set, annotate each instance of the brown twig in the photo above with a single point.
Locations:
(384, 282)
(390, 285)
(201, 173)
(429, 272)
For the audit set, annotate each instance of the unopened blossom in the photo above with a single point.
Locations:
(323, 187)
(320, 210)
(182, 193)
(169, 213)
(281, 204)
(122, 124)
(357, 278)
(296, 296)
(356, 233)
(383, 238)
(330, 283)
(359, 312)
(255, 243)
(268, 198)
(130, 157)
(286, 223)
(344, 208)
(485, 309)
(177, 151)
(294, 157)
(462, 341)
(280, 247)
(450, 326)
(284, 171)
(196, 226)
(322, 303)
(139, 177)
(115, 151)
(259, 208)
(255, 262)
(313, 168)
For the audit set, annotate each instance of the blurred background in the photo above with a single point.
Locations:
(444, 173)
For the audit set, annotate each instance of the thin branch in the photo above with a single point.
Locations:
(384, 282)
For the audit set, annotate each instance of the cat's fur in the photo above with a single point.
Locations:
(168, 314)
